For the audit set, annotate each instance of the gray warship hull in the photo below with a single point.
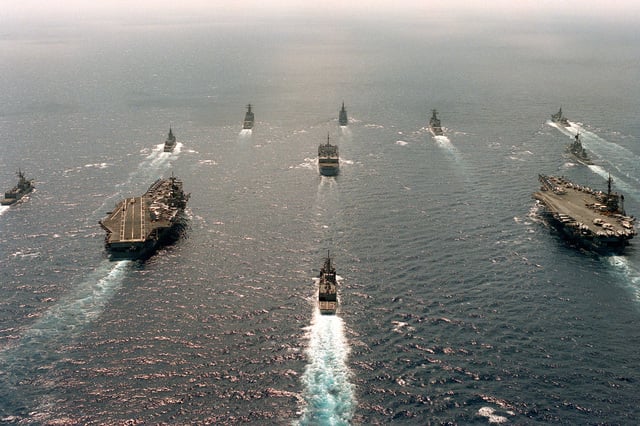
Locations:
(170, 143)
(342, 117)
(434, 124)
(328, 289)
(249, 118)
(23, 187)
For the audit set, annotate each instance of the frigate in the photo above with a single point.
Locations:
(559, 118)
(248, 119)
(328, 288)
(434, 124)
(577, 150)
(23, 187)
(170, 143)
(342, 118)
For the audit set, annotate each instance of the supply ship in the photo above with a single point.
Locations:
(559, 118)
(434, 124)
(248, 119)
(328, 159)
(577, 150)
(23, 187)
(589, 218)
(170, 143)
(328, 288)
(342, 118)
(138, 225)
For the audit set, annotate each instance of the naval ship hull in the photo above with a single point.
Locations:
(328, 289)
(328, 168)
(343, 120)
(139, 225)
(586, 218)
(328, 159)
(15, 194)
(249, 119)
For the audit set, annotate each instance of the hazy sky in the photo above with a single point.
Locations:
(37, 10)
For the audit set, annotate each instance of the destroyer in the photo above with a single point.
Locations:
(328, 288)
(137, 225)
(592, 219)
(577, 150)
(248, 119)
(342, 118)
(328, 159)
(170, 143)
(23, 187)
(434, 124)
(559, 118)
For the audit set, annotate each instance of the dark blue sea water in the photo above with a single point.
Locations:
(458, 304)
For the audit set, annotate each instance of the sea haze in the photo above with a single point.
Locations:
(458, 304)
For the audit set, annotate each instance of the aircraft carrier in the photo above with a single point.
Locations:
(592, 219)
(138, 225)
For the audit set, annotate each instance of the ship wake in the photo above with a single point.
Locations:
(245, 133)
(625, 163)
(329, 397)
(146, 172)
(630, 274)
(3, 209)
(43, 344)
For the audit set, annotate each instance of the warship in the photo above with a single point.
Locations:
(170, 143)
(328, 159)
(138, 225)
(248, 119)
(434, 124)
(577, 150)
(23, 187)
(559, 118)
(328, 288)
(342, 118)
(591, 219)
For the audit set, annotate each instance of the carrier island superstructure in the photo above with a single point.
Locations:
(138, 224)
(590, 218)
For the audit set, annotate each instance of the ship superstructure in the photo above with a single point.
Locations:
(248, 119)
(577, 150)
(559, 118)
(434, 124)
(328, 288)
(342, 117)
(23, 187)
(138, 224)
(592, 219)
(328, 159)
(170, 143)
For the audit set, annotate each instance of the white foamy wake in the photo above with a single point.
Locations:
(85, 303)
(3, 209)
(245, 133)
(329, 397)
(624, 165)
(147, 171)
(42, 345)
(630, 274)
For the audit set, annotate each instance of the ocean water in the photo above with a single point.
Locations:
(458, 304)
